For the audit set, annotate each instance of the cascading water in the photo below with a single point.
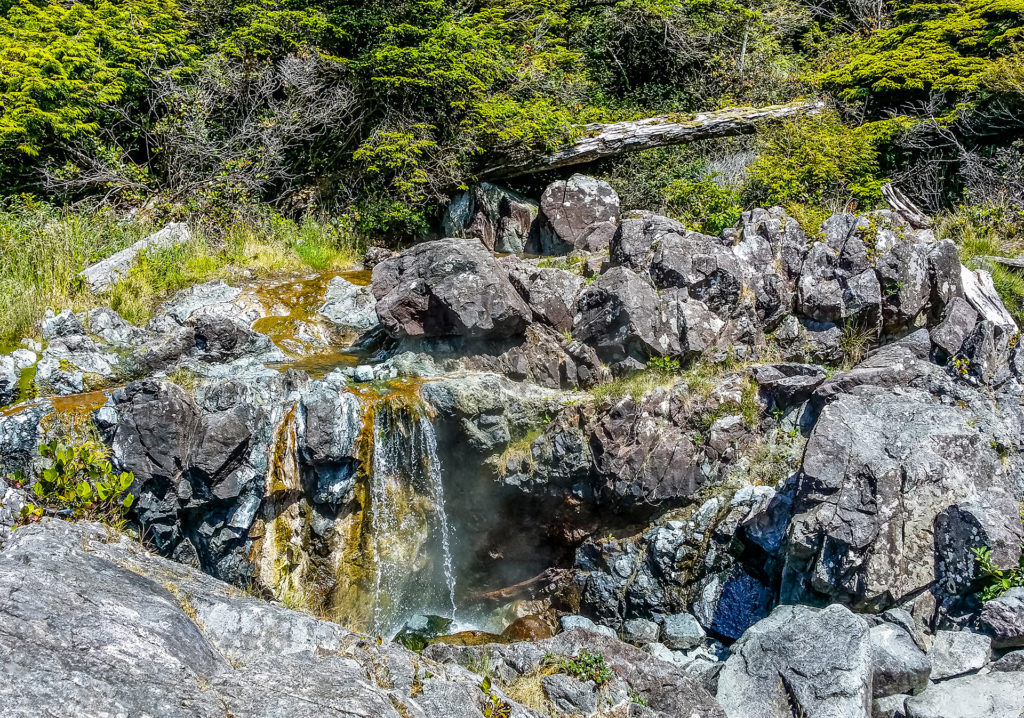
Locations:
(406, 470)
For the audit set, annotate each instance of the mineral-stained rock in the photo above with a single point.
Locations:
(503, 220)
(447, 287)
(800, 660)
(550, 293)
(348, 306)
(664, 686)
(94, 625)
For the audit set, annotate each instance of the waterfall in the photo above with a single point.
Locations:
(406, 491)
(429, 441)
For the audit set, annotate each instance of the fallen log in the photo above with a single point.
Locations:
(599, 141)
(528, 589)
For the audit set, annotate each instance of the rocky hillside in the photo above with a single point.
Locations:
(585, 461)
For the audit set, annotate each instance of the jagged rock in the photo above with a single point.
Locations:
(817, 661)
(681, 631)
(991, 518)
(331, 421)
(984, 349)
(782, 232)
(550, 293)
(820, 295)
(578, 213)
(897, 664)
(505, 221)
(198, 299)
(9, 377)
(637, 236)
(699, 328)
(955, 653)
(111, 328)
(787, 385)
(638, 462)
(621, 316)
(998, 695)
(878, 469)
(905, 280)
(446, 288)
(958, 320)
(570, 695)
(1003, 619)
(60, 325)
(701, 265)
(1012, 662)
(58, 381)
(862, 300)
(103, 275)
(219, 339)
(349, 306)
(945, 270)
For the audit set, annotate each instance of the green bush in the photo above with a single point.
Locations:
(80, 483)
(820, 161)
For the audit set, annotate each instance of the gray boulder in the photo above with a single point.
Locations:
(682, 631)
(446, 288)
(955, 653)
(349, 306)
(9, 377)
(580, 213)
(878, 469)
(958, 320)
(802, 661)
(550, 293)
(622, 317)
(1003, 619)
(897, 664)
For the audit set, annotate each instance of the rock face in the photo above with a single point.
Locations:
(800, 661)
(999, 695)
(878, 471)
(93, 625)
(447, 288)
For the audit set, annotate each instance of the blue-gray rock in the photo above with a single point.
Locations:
(1003, 619)
(640, 631)
(681, 631)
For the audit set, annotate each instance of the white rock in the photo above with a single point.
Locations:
(104, 274)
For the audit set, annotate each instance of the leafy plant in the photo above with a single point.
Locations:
(494, 706)
(997, 581)
(665, 364)
(585, 667)
(80, 483)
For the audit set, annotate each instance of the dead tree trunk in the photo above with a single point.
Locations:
(599, 141)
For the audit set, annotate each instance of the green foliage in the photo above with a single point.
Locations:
(664, 364)
(494, 707)
(931, 47)
(585, 667)
(63, 61)
(79, 484)
(996, 581)
(703, 204)
(820, 161)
